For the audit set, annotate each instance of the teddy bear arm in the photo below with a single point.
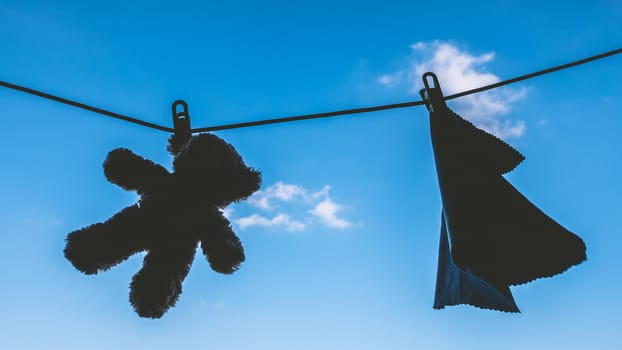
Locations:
(101, 246)
(130, 171)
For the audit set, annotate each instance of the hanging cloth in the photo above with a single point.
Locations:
(492, 237)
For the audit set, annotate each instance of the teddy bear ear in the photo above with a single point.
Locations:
(175, 144)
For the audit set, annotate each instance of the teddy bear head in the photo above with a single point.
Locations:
(213, 169)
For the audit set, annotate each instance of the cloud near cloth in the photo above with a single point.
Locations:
(312, 207)
(458, 70)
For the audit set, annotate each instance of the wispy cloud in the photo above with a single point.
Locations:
(279, 191)
(288, 201)
(327, 211)
(459, 70)
(392, 79)
(280, 219)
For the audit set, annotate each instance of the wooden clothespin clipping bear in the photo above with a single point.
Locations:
(175, 212)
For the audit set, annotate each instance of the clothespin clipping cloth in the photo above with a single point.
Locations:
(492, 237)
(175, 212)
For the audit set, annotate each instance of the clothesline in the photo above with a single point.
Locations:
(306, 116)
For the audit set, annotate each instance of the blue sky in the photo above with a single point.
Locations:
(342, 240)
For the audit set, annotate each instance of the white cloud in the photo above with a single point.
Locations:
(418, 46)
(280, 191)
(391, 80)
(311, 207)
(327, 210)
(459, 70)
(321, 193)
(280, 219)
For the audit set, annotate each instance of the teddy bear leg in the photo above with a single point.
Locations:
(157, 286)
(220, 245)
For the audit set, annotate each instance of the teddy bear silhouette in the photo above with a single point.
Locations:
(176, 211)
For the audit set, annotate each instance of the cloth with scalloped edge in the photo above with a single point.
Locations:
(492, 237)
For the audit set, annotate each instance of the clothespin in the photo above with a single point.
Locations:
(432, 96)
(181, 126)
(181, 121)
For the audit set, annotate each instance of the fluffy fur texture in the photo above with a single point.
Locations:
(175, 212)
